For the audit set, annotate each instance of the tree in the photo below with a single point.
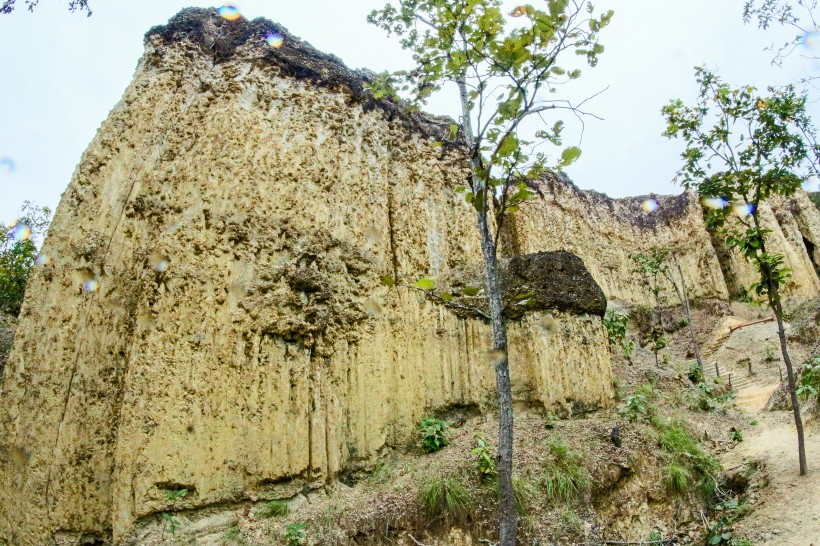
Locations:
(18, 252)
(758, 147)
(655, 265)
(502, 69)
(73, 5)
(797, 15)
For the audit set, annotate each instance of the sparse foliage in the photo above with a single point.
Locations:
(504, 71)
(741, 149)
(485, 461)
(616, 324)
(295, 533)
(73, 5)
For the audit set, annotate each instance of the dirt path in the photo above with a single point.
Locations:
(787, 511)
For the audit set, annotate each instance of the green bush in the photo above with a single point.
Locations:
(295, 533)
(432, 433)
(446, 497)
(640, 404)
(18, 252)
(615, 324)
(484, 457)
(810, 379)
(565, 479)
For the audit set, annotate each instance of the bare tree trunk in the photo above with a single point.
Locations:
(684, 298)
(774, 303)
(508, 515)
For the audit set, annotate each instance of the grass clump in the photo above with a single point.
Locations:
(274, 509)
(685, 455)
(446, 496)
(565, 479)
(676, 478)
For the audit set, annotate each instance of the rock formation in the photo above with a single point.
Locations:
(211, 317)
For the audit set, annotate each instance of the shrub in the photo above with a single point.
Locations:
(484, 457)
(18, 252)
(295, 533)
(432, 433)
(565, 479)
(446, 497)
(810, 379)
(615, 324)
(640, 403)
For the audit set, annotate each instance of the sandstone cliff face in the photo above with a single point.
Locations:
(212, 317)
(604, 232)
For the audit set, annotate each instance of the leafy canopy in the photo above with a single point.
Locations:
(741, 149)
(18, 252)
(506, 70)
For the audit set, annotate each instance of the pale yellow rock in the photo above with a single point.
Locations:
(212, 316)
(605, 232)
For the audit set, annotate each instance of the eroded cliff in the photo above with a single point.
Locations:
(211, 317)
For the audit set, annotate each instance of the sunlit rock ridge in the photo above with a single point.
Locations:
(211, 316)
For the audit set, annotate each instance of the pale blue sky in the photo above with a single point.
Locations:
(62, 74)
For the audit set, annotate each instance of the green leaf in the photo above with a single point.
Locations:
(446, 297)
(570, 155)
(436, 144)
(425, 284)
(387, 280)
(470, 290)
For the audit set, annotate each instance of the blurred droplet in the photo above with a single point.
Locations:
(90, 285)
(650, 206)
(20, 232)
(811, 41)
(495, 357)
(372, 308)
(173, 228)
(715, 203)
(373, 235)
(743, 209)
(547, 323)
(161, 266)
(8, 164)
(42, 259)
(275, 39)
(812, 183)
(229, 12)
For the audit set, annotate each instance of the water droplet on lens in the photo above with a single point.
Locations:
(494, 357)
(715, 203)
(372, 308)
(650, 205)
(42, 259)
(161, 266)
(9, 164)
(373, 235)
(743, 209)
(812, 184)
(275, 39)
(90, 285)
(229, 12)
(811, 41)
(20, 232)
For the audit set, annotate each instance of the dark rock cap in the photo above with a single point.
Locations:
(557, 280)
(224, 40)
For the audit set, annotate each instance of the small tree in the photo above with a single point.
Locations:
(741, 149)
(503, 73)
(18, 251)
(655, 265)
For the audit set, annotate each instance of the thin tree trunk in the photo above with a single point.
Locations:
(684, 298)
(773, 295)
(774, 303)
(508, 515)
